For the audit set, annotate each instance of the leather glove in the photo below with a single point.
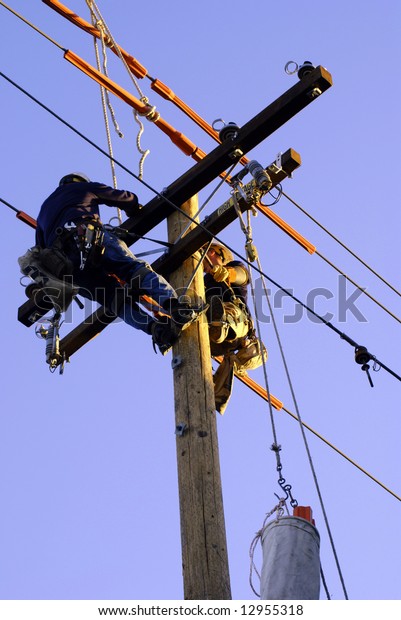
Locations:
(133, 208)
(220, 273)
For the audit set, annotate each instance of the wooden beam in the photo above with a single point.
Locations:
(203, 536)
(217, 221)
(224, 155)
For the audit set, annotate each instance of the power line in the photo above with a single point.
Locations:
(360, 288)
(315, 221)
(32, 26)
(349, 459)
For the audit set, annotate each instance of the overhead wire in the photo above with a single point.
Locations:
(343, 245)
(358, 286)
(38, 30)
(342, 335)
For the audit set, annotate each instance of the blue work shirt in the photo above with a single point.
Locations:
(74, 202)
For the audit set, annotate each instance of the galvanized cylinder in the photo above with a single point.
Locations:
(291, 563)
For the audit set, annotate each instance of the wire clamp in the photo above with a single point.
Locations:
(362, 357)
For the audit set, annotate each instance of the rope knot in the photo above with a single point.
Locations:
(150, 113)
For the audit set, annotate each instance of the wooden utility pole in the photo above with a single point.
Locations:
(203, 538)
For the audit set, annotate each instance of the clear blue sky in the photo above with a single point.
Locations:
(88, 482)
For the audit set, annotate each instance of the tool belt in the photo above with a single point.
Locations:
(85, 237)
(50, 270)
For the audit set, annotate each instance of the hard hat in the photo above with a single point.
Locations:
(74, 177)
(222, 251)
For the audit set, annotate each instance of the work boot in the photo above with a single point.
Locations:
(162, 337)
(218, 326)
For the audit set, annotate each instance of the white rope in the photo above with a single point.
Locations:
(106, 104)
(279, 510)
(151, 114)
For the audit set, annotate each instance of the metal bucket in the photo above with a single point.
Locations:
(291, 563)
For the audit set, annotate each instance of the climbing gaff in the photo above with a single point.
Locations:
(291, 563)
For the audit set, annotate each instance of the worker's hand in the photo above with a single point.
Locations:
(130, 210)
(220, 273)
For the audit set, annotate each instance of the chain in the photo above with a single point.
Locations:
(281, 481)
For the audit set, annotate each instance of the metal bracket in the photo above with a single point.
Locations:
(180, 429)
(176, 361)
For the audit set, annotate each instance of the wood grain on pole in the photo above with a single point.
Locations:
(203, 537)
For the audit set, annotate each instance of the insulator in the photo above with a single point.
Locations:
(53, 356)
(228, 132)
(305, 69)
(263, 181)
(362, 355)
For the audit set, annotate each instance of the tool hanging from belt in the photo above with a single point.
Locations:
(88, 238)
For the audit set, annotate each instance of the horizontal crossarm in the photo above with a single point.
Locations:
(201, 174)
(183, 249)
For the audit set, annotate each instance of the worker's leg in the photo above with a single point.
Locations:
(96, 285)
(137, 274)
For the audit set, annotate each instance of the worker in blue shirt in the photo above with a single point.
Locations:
(103, 267)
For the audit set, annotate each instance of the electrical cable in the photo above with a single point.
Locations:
(33, 26)
(341, 243)
(360, 288)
